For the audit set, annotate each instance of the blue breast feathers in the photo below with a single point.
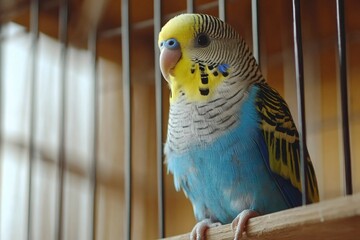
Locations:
(229, 175)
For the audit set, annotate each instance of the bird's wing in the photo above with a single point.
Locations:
(281, 146)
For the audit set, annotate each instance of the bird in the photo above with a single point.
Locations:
(232, 145)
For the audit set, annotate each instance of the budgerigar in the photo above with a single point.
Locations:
(232, 144)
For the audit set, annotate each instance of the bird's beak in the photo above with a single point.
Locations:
(170, 54)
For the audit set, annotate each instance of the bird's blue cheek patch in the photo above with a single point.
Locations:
(223, 69)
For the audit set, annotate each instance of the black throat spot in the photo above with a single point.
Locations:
(204, 79)
(204, 91)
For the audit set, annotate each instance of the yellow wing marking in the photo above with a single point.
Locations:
(282, 140)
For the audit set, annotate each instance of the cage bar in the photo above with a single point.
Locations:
(340, 19)
(159, 122)
(63, 37)
(150, 22)
(34, 28)
(1, 112)
(222, 10)
(125, 41)
(190, 7)
(95, 116)
(299, 72)
(255, 29)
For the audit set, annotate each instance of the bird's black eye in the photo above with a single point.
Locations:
(202, 40)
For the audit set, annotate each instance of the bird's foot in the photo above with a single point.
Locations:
(199, 231)
(240, 222)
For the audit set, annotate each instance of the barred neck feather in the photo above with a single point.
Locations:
(196, 124)
(247, 69)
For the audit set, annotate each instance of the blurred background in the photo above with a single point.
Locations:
(62, 98)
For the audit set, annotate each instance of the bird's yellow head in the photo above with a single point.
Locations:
(198, 52)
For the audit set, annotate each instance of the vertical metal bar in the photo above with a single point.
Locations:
(1, 113)
(159, 122)
(92, 47)
(222, 10)
(63, 36)
(125, 40)
(34, 28)
(190, 7)
(255, 29)
(299, 71)
(343, 94)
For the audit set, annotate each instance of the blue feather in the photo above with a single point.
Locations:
(230, 174)
(223, 68)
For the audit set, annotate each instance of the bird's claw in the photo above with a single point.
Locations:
(239, 223)
(199, 230)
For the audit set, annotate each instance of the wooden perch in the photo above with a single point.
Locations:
(332, 219)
